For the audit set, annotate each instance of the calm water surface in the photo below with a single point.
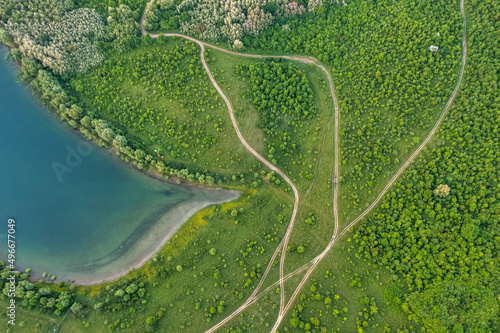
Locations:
(92, 219)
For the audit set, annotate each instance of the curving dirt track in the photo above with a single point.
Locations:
(311, 265)
(284, 242)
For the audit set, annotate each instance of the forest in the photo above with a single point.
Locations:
(425, 259)
(390, 85)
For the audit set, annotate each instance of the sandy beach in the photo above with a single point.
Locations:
(151, 243)
(140, 247)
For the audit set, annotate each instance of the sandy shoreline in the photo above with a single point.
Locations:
(159, 246)
(143, 250)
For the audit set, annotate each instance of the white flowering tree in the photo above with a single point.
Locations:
(293, 8)
(434, 49)
(64, 40)
(312, 4)
(442, 190)
(237, 45)
(151, 20)
(214, 19)
(257, 20)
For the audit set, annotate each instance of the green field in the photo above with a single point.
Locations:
(160, 95)
(310, 164)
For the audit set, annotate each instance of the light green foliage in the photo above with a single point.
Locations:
(423, 261)
(161, 95)
(308, 159)
(76, 307)
(210, 283)
(151, 320)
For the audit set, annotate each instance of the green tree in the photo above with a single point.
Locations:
(449, 304)
(151, 320)
(76, 307)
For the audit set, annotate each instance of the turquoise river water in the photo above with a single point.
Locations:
(81, 214)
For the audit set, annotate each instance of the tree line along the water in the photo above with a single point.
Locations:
(61, 87)
(161, 95)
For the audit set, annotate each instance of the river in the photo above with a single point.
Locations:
(81, 214)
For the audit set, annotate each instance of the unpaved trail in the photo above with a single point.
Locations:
(311, 265)
(393, 179)
(284, 242)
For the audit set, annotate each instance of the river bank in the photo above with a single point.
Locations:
(139, 251)
(98, 219)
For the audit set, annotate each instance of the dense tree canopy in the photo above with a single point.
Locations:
(446, 247)
(284, 100)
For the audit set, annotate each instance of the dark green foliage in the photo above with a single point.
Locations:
(5, 37)
(122, 30)
(36, 296)
(163, 16)
(281, 92)
(123, 294)
(446, 248)
(456, 307)
(442, 252)
(270, 7)
(390, 87)
(284, 99)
